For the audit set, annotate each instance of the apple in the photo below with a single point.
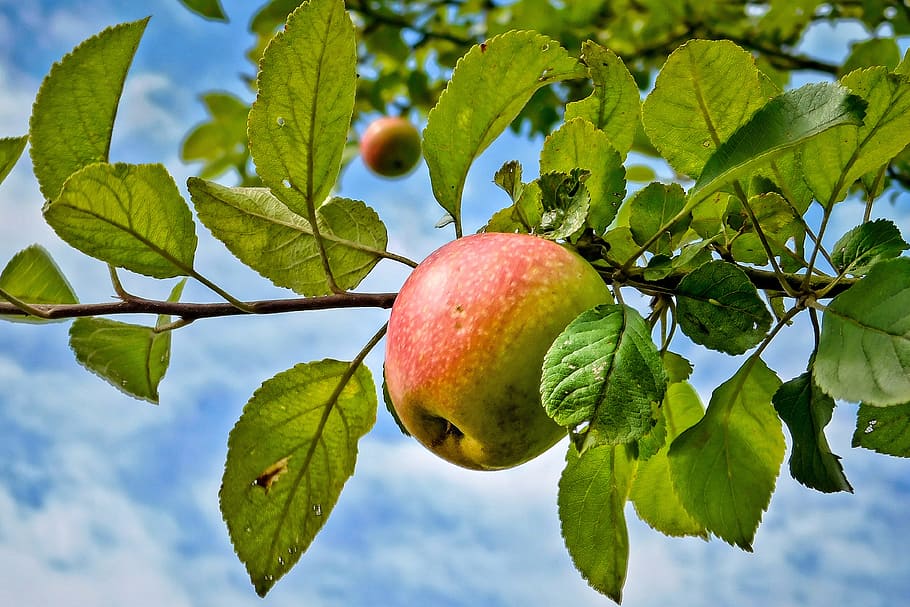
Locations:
(390, 146)
(466, 341)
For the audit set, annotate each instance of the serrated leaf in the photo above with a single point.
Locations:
(861, 247)
(33, 277)
(130, 216)
(524, 215)
(807, 410)
(719, 308)
(592, 494)
(652, 491)
(508, 177)
(793, 118)
(565, 201)
(841, 157)
(10, 150)
(299, 122)
(210, 9)
(489, 87)
(132, 358)
(651, 210)
(73, 115)
(868, 53)
(578, 145)
(604, 369)
(279, 244)
(678, 368)
(289, 455)
(724, 467)
(884, 429)
(864, 349)
(693, 108)
(614, 106)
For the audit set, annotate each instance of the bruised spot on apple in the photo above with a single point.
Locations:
(390, 146)
(466, 341)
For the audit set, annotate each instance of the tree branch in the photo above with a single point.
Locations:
(193, 311)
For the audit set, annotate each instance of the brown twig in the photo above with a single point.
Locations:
(193, 311)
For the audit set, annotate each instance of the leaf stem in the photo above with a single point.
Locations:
(18, 305)
(245, 307)
(118, 286)
(744, 200)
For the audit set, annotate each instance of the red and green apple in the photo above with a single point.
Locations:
(466, 341)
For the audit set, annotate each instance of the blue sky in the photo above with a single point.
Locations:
(109, 501)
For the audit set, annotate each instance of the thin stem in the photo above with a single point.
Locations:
(245, 307)
(777, 328)
(741, 194)
(118, 286)
(654, 237)
(19, 307)
(171, 326)
(870, 193)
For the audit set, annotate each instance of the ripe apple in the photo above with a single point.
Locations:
(466, 341)
(390, 146)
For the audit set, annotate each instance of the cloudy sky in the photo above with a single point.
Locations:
(109, 501)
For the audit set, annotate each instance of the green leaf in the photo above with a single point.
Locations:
(73, 116)
(565, 201)
(677, 367)
(724, 467)
(719, 308)
(793, 118)
(289, 455)
(652, 492)
(210, 9)
(32, 276)
(693, 108)
(592, 494)
(132, 358)
(578, 145)
(807, 410)
(220, 143)
(620, 245)
(279, 244)
(299, 122)
(864, 350)
(884, 429)
(508, 177)
(604, 369)
(868, 53)
(10, 150)
(130, 216)
(489, 87)
(866, 244)
(524, 215)
(841, 157)
(615, 104)
(652, 209)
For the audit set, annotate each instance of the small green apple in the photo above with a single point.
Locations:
(390, 146)
(466, 341)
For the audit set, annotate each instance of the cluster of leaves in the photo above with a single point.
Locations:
(407, 50)
(730, 261)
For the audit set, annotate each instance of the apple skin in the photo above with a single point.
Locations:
(390, 146)
(466, 341)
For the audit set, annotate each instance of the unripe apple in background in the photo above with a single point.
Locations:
(466, 341)
(390, 146)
